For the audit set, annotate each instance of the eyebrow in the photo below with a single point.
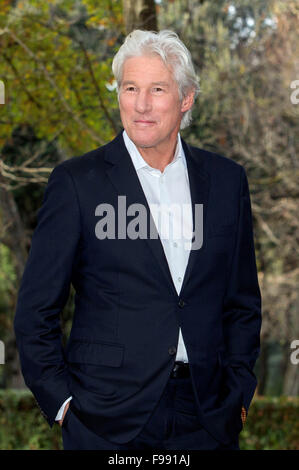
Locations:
(161, 83)
(131, 82)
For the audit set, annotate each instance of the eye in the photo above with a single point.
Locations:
(130, 88)
(158, 89)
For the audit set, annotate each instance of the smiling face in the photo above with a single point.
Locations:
(150, 107)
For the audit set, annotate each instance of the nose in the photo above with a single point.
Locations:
(143, 102)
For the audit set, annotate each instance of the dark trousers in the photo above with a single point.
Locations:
(173, 425)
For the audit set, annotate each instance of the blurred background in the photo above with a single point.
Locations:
(58, 100)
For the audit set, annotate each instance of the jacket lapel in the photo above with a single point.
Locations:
(199, 180)
(122, 173)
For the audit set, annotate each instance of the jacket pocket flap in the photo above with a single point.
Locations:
(106, 354)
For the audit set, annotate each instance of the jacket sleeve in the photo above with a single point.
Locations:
(242, 302)
(44, 291)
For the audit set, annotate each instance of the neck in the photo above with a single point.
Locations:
(158, 157)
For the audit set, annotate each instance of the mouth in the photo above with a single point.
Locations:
(144, 122)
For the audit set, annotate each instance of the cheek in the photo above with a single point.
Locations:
(169, 117)
(125, 116)
(125, 106)
(170, 110)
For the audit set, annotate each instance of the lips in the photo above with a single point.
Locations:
(144, 122)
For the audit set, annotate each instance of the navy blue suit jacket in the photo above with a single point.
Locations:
(127, 315)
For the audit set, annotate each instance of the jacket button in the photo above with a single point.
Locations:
(182, 303)
(172, 350)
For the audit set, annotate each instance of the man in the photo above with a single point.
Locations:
(166, 325)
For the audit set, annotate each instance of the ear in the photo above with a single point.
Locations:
(187, 102)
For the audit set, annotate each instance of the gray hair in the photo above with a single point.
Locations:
(172, 51)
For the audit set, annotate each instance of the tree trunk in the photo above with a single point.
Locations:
(263, 367)
(12, 235)
(291, 380)
(291, 376)
(140, 14)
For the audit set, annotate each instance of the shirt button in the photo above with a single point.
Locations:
(182, 303)
(172, 350)
(175, 244)
(179, 279)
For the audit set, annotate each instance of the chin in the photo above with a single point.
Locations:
(144, 145)
(143, 142)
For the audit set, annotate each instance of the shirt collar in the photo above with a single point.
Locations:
(139, 161)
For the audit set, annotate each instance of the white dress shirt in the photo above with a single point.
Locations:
(174, 226)
(162, 190)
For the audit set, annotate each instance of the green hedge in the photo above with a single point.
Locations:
(272, 424)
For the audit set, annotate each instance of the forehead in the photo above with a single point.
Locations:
(149, 68)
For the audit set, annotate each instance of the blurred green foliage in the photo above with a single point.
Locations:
(56, 64)
(272, 424)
